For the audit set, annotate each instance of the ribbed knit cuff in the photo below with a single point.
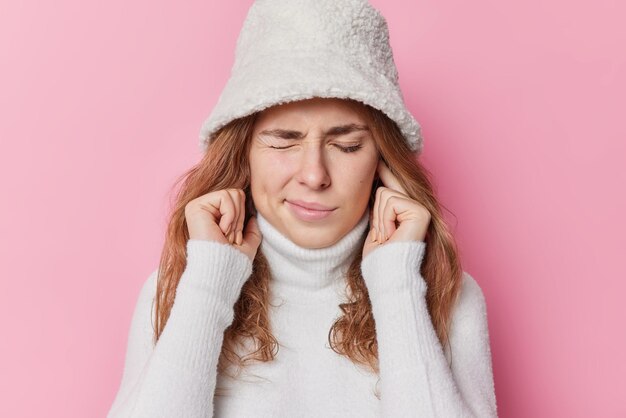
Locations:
(397, 292)
(393, 267)
(220, 269)
(204, 306)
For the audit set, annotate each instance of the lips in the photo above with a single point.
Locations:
(311, 205)
(309, 211)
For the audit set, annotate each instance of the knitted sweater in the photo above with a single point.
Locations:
(177, 377)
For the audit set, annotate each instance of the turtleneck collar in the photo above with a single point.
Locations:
(300, 271)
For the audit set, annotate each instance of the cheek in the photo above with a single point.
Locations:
(360, 176)
(268, 173)
(362, 170)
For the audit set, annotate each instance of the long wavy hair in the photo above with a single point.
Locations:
(225, 165)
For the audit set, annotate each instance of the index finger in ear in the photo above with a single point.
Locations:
(388, 178)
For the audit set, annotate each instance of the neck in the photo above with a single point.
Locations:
(305, 272)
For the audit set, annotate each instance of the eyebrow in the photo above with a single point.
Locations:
(334, 131)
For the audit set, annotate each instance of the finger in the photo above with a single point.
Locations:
(390, 213)
(370, 234)
(226, 211)
(371, 237)
(242, 216)
(381, 221)
(375, 216)
(252, 234)
(388, 178)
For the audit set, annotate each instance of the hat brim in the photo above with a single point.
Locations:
(287, 77)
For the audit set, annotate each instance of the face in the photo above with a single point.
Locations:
(312, 165)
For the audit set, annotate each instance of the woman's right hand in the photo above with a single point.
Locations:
(219, 216)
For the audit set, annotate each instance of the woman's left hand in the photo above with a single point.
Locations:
(392, 205)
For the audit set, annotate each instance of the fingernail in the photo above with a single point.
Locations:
(239, 237)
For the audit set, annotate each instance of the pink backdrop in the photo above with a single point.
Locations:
(100, 107)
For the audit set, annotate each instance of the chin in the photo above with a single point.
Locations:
(305, 240)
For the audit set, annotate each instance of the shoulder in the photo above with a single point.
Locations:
(148, 289)
(469, 312)
(469, 350)
(140, 335)
(469, 329)
(144, 308)
(471, 294)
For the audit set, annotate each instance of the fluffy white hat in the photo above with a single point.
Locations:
(291, 50)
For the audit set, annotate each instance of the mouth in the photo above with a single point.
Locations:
(309, 211)
(311, 205)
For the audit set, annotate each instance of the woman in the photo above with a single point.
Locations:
(307, 268)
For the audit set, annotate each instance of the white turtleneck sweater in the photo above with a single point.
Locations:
(177, 377)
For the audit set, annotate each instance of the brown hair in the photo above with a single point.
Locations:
(225, 165)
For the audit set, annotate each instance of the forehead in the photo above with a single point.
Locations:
(317, 110)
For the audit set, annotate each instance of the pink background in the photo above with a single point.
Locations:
(100, 108)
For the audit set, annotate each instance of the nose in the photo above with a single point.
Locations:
(312, 170)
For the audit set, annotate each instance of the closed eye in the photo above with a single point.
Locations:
(352, 148)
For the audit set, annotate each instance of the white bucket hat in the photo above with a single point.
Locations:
(290, 50)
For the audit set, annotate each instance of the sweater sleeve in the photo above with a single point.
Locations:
(177, 376)
(416, 380)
